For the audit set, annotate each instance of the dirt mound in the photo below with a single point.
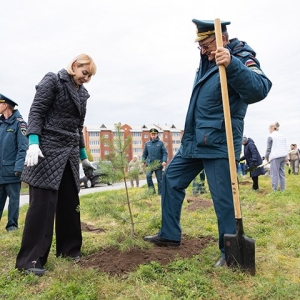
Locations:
(196, 203)
(245, 182)
(115, 262)
(90, 228)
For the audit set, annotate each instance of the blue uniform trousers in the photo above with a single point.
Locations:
(178, 175)
(12, 190)
(158, 174)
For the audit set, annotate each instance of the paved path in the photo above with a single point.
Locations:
(24, 199)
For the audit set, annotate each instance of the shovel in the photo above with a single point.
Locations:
(239, 249)
(250, 169)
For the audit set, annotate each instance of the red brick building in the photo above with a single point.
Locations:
(93, 134)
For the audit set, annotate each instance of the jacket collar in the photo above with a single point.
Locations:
(63, 74)
(12, 118)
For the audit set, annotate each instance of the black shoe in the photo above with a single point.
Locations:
(220, 263)
(11, 228)
(35, 271)
(76, 259)
(159, 241)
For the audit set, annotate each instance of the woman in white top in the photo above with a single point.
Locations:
(277, 155)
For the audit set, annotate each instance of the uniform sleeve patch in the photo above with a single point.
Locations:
(23, 130)
(256, 70)
(250, 62)
(23, 127)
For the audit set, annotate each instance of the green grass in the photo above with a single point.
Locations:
(272, 219)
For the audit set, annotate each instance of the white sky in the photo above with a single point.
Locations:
(146, 56)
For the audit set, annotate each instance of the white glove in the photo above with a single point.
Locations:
(32, 155)
(87, 164)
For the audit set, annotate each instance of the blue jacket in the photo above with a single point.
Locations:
(155, 150)
(204, 133)
(13, 146)
(253, 158)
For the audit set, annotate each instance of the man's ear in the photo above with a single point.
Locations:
(224, 39)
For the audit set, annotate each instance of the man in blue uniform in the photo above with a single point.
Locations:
(204, 143)
(13, 146)
(155, 153)
(199, 184)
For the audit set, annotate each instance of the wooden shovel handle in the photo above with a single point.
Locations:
(228, 127)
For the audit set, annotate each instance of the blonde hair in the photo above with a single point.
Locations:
(275, 126)
(80, 60)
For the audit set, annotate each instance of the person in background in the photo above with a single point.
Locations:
(203, 145)
(277, 155)
(155, 152)
(51, 169)
(199, 187)
(253, 160)
(134, 169)
(242, 166)
(13, 146)
(294, 157)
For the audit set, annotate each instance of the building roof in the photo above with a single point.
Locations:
(136, 127)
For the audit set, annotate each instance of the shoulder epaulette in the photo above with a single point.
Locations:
(244, 53)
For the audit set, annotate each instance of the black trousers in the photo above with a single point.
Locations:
(255, 183)
(44, 206)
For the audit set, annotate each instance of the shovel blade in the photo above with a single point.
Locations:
(240, 252)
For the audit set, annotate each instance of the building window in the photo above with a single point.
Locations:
(136, 134)
(176, 142)
(105, 136)
(116, 134)
(92, 133)
(145, 136)
(95, 143)
(136, 142)
(95, 150)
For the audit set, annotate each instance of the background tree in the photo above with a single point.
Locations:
(90, 156)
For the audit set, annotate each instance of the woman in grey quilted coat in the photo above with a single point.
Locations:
(51, 169)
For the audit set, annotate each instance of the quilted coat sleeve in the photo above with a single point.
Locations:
(80, 128)
(43, 99)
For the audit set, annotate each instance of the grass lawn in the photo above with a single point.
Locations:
(272, 219)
